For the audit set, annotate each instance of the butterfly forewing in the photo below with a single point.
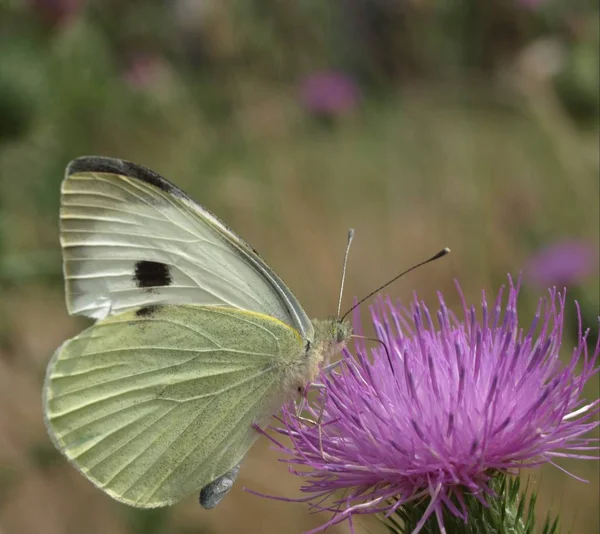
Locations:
(156, 403)
(131, 239)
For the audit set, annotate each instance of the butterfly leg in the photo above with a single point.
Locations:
(315, 385)
(213, 493)
(319, 420)
(328, 368)
(302, 404)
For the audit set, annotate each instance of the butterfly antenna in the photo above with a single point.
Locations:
(383, 344)
(350, 238)
(439, 255)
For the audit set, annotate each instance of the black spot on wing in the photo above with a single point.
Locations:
(151, 274)
(146, 311)
(125, 168)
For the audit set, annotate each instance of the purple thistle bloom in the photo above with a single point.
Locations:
(329, 93)
(449, 407)
(562, 263)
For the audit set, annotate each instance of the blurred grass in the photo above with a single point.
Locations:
(492, 168)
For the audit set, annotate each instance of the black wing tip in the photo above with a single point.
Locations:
(120, 166)
(97, 164)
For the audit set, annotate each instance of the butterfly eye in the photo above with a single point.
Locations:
(339, 333)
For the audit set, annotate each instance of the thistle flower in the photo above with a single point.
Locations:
(440, 411)
(329, 94)
(562, 263)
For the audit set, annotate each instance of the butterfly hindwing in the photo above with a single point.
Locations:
(130, 238)
(156, 403)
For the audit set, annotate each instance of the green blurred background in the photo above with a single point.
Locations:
(420, 123)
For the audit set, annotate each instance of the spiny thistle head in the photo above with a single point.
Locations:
(441, 407)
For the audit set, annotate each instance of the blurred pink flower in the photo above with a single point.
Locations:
(57, 11)
(532, 4)
(562, 263)
(329, 93)
(142, 71)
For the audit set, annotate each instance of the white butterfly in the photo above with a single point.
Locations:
(196, 339)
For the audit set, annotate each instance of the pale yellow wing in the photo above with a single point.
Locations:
(157, 402)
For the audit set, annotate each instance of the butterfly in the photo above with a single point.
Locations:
(196, 340)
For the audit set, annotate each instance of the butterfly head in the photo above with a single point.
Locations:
(341, 331)
(331, 336)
